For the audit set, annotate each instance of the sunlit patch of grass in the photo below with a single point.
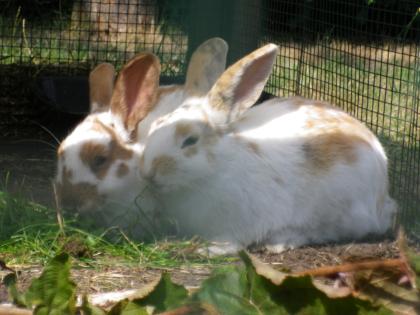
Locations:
(30, 235)
(66, 41)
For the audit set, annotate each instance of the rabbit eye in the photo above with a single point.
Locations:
(189, 141)
(99, 161)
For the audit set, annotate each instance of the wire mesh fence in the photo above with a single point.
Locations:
(363, 56)
(82, 33)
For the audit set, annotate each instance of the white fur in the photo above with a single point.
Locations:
(117, 206)
(228, 193)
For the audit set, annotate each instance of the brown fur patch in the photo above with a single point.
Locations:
(163, 165)
(101, 83)
(325, 150)
(190, 151)
(310, 123)
(324, 118)
(182, 130)
(76, 195)
(206, 64)
(254, 147)
(250, 145)
(211, 139)
(60, 150)
(230, 87)
(122, 170)
(119, 151)
(91, 153)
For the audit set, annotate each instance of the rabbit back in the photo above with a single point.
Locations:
(302, 172)
(331, 168)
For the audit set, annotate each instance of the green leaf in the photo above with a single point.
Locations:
(53, 292)
(274, 292)
(165, 296)
(225, 289)
(127, 307)
(10, 282)
(258, 289)
(88, 309)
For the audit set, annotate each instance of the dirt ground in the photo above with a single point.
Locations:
(29, 167)
(99, 279)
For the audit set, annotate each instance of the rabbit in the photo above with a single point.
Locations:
(97, 162)
(280, 175)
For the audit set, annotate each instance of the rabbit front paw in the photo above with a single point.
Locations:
(214, 249)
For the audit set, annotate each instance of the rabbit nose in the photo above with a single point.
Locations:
(67, 200)
(147, 174)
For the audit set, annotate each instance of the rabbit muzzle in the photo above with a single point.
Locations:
(80, 197)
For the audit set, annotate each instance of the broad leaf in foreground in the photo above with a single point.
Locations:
(88, 309)
(382, 288)
(166, 295)
(259, 289)
(226, 289)
(10, 282)
(127, 307)
(398, 288)
(53, 292)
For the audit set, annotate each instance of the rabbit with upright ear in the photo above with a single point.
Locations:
(283, 174)
(98, 162)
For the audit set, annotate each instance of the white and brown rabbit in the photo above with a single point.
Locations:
(97, 172)
(283, 174)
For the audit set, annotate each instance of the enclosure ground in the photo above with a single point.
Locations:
(106, 275)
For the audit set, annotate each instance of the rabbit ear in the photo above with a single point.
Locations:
(206, 65)
(101, 83)
(136, 89)
(241, 85)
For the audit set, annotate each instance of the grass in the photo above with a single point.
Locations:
(30, 234)
(75, 40)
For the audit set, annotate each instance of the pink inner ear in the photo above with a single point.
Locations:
(136, 89)
(253, 76)
(134, 79)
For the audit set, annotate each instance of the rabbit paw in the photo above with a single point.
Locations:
(219, 249)
(278, 248)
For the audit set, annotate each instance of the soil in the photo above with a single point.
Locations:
(122, 276)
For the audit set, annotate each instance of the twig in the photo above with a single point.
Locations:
(351, 267)
(49, 132)
(107, 298)
(58, 210)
